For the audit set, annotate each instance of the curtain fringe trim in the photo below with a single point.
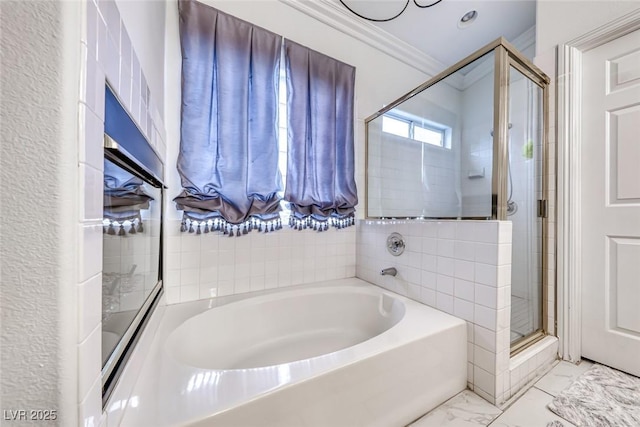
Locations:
(320, 225)
(204, 226)
(115, 227)
(218, 224)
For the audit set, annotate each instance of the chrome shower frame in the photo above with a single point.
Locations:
(506, 56)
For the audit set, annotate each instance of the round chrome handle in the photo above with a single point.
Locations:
(395, 244)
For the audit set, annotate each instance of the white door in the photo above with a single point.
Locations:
(610, 207)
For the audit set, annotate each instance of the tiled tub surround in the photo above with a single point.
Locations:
(213, 264)
(353, 371)
(107, 56)
(462, 268)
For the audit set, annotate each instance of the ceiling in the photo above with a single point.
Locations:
(435, 30)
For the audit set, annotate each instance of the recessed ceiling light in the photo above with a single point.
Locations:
(468, 19)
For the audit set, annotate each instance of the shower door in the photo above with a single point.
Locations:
(525, 208)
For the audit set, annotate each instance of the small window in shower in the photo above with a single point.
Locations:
(396, 126)
(428, 135)
(401, 124)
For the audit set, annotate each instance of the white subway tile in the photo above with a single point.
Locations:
(486, 274)
(504, 275)
(485, 317)
(446, 248)
(208, 290)
(413, 275)
(504, 321)
(464, 250)
(464, 289)
(487, 253)
(429, 263)
(257, 283)
(112, 64)
(190, 276)
(225, 287)
(91, 132)
(189, 260)
(90, 409)
(430, 245)
(89, 251)
(463, 309)
(483, 380)
(464, 270)
(430, 229)
(486, 296)
(444, 302)
(414, 292)
(484, 359)
(173, 295)
(504, 254)
(465, 230)
(446, 266)
(486, 232)
(485, 338)
(91, 36)
(505, 231)
(90, 191)
(446, 229)
(89, 308)
(429, 280)
(445, 284)
(189, 293)
(125, 48)
(89, 361)
(101, 42)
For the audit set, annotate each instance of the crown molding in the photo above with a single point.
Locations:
(333, 15)
(525, 40)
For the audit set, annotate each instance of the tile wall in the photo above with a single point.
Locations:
(464, 269)
(408, 178)
(106, 55)
(213, 264)
(460, 267)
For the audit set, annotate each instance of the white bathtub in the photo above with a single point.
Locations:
(341, 353)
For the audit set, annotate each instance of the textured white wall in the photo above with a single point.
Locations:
(39, 80)
(559, 21)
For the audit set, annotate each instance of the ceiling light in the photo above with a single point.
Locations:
(390, 18)
(468, 19)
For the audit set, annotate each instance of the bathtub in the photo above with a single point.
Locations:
(340, 353)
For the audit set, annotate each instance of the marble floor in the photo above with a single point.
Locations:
(467, 409)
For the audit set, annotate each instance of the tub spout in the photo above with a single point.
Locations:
(391, 271)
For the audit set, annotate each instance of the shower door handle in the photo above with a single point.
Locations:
(542, 208)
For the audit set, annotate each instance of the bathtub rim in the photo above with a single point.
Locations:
(163, 390)
(256, 300)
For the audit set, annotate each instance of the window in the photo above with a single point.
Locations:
(282, 134)
(396, 126)
(428, 135)
(418, 130)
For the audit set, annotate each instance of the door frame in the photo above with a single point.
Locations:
(569, 121)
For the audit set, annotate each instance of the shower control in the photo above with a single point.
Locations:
(395, 244)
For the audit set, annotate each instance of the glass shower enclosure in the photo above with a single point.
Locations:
(471, 143)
